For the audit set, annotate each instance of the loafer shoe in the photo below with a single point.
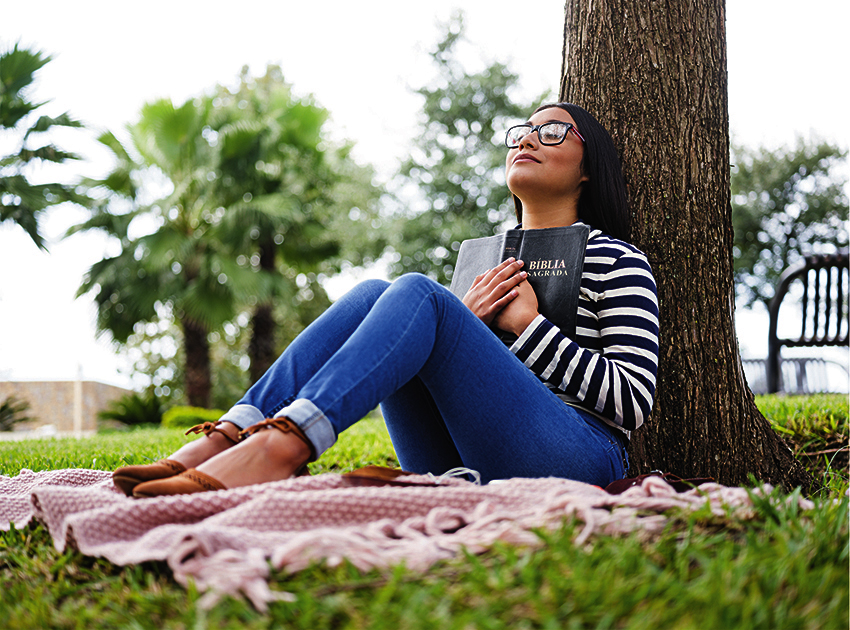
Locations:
(127, 478)
(187, 482)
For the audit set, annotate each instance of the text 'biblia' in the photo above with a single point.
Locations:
(538, 265)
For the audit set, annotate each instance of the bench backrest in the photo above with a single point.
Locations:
(824, 309)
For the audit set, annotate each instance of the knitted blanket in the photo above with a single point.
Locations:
(226, 541)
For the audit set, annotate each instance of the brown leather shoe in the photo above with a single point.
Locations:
(192, 481)
(187, 482)
(212, 427)
(127, 478)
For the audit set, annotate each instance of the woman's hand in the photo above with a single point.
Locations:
(516, 316)
(493, 291)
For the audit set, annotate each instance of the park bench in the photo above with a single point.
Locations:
(824, 322)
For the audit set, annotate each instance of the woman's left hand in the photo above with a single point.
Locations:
(519, 312)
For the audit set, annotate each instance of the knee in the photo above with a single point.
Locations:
(373, 286)
(365, 293)
(416, 281)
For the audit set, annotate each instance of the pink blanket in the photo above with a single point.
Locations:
(225, 541)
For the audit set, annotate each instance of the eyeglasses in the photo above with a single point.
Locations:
(550, 133)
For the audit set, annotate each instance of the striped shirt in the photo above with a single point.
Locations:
(609, 369)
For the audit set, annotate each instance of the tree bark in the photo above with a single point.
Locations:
(654, 74)
(198, 379)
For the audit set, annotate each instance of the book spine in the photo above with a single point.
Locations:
(513, 242)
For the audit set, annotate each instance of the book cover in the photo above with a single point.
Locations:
(553, 257)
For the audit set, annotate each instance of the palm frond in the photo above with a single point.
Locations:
(237, 137)
(110, 141)
(18, 68)
(47, 153)
(26, 218)
(46, 123)
(207, 302)
(110, 223)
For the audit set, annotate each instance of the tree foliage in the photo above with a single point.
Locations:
(787, 203)
(231, 202)
(22, 200)
(288, 197)
(175, 266)
(458, 160)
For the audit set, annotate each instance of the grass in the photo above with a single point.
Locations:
(366, 443)
(817, 428)
(781, 569)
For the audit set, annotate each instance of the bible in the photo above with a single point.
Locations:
(553, 257)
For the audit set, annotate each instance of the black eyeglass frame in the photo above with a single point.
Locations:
(533, 128)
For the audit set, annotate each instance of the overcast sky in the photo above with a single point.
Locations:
(787, 77)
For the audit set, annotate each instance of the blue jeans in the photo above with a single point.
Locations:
(452, 394)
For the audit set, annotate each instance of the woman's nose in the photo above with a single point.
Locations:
(527, 139)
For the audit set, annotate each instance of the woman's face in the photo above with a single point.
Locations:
(535, 171)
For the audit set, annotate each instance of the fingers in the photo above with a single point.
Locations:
(502, 302)
(503, 272)
(495, 289)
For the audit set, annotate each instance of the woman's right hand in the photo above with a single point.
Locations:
(494, 290)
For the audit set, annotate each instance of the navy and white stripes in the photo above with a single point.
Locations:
(611, 366)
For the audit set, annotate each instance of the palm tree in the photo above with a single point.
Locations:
(254, 202)
(175, 268)
(22, 201)
(283, 189)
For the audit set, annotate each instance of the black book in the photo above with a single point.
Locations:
(553, 257)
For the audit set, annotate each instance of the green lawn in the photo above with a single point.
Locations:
(782, 569)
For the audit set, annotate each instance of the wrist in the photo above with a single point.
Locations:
(521, 324)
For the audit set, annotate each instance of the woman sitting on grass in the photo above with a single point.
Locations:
(452, 393)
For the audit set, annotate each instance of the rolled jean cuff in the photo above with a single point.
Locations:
(243, 416)
(312, 422)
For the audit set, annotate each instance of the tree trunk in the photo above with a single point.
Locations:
(198, 379)
(654, 74)
(262, 350)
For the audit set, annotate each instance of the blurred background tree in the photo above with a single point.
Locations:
(26, 138)
(787, 203)
(289, 199)
(173, 268)
(458, 160)
(230, 202)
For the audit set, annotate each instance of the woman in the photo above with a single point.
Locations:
(452, 394)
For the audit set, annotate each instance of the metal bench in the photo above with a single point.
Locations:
(825, 321)
(799, 375)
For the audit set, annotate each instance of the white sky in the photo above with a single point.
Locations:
(787, 76)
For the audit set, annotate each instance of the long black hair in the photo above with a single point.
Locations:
(603, 203)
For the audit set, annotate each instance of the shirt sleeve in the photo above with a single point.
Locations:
(618, 380)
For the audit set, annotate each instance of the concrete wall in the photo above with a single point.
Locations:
(70, 406)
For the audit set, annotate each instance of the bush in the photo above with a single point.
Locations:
(134, 409)
(13, 411)
(184, 417)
